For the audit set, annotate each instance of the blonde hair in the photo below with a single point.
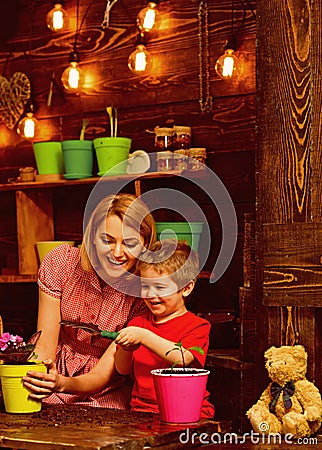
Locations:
(125, 206)
(173, 258)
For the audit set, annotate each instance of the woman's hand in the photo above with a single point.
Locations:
(41, 385)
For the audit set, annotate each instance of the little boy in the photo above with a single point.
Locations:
(167, 276)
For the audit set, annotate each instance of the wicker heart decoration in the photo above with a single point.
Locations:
(14, 94)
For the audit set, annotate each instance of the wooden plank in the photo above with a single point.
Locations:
(34, 223)
(18, 278)
(316, 101)
(287, 244)
(249, 251)
(228, 359)
(293, 286)
(86, 428)
(248, 344)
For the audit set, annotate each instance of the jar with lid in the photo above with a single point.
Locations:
(27, 174)
(163, 138)
(180, 159)
(165, 161)
(197, 158)
(181, 137)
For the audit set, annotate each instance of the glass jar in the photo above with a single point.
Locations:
(163, 138)
(165, 161)
(197, 158)
(181, 137)
(180, 159)
(27, 174)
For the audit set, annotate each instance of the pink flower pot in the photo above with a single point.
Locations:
(180, 394)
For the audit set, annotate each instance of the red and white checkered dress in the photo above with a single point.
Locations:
(83, 299)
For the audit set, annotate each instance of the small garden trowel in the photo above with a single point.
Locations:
(91, 328)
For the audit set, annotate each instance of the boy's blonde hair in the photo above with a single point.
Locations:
(128, 208)
(172, 258)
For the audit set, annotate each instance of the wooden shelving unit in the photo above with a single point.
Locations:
(35, 215)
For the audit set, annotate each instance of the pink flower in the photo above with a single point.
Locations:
(3, 345)
(5, 337)
(8, 340)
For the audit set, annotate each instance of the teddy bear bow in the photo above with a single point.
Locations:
(288, 390)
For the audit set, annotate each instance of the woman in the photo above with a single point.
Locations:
(95, 284)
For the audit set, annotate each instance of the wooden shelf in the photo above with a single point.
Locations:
(91, 180)
(18, 278)
(35, 214)
(228, 359)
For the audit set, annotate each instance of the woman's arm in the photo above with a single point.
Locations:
(135, 335)
(48, 322)
(42, 385)
(123, 361)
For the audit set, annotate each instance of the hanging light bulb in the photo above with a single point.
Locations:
(57, 17)
(228, 66)
(73, 77)
(140, 60)
(27, 127)
(147, 17)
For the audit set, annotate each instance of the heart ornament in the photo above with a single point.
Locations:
(14, 94)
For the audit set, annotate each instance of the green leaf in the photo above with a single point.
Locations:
(197, 349)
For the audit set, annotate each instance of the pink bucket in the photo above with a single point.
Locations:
(180, 394)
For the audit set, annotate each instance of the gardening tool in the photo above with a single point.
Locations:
(91, 328)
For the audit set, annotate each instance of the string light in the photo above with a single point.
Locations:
(146, 19)
(73, 77)
(57, 18)
(28, 126)
(140, 60)
(228, 65)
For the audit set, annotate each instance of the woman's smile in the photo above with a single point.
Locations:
(118, 247)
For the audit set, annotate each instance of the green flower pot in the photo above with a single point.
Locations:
(78, 158)
(49, 157)
(187, 231)
(15, 395)
(112, 154)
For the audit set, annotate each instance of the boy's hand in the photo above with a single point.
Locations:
(131, 338)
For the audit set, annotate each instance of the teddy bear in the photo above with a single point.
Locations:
(290, 404)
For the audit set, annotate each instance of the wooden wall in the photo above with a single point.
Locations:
(289, 177)
(169, 94)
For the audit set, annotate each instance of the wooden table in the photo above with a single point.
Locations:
(79, 427)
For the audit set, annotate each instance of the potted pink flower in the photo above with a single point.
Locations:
(16, 356)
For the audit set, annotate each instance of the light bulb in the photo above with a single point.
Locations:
(140, 60)
(57, 18)
(27, 126)
(228, 65)
(73, 77)
(147, 17)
